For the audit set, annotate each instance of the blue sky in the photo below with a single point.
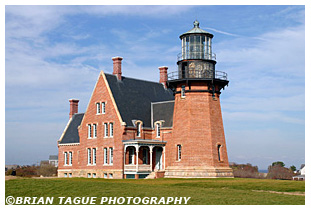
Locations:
(54, 53)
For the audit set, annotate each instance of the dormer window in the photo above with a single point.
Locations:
(138, 125)
(158, 131)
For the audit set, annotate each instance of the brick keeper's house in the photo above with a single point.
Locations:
(140, 129)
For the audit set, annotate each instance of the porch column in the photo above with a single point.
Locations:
(124, 156)
(164, 158)
(150, 158)
(137, 150)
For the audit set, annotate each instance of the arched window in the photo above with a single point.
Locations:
(97, 108)
(65, 158)
(218, 149)
(89, 131)
(70, 158)
(138, 125)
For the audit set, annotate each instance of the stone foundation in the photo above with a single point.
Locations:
(198, 172)
(116, 174)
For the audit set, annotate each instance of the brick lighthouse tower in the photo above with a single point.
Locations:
(198, 134)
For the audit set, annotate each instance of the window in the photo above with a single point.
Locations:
(158, 126)
(131, 155)
(89, 156)
(70, 174)
(218, 149)
(138, 125)
(65, 174)
(89, 131)
(94, 156)
(97, 108)
(103, 107)
(94, 175)
(88, 175)
(94, 130)
(105, 156)
(178, 152)
(70, 158)
(106, 130)
(183, 90)
(110, 176)
(111, 129)
(65, 158)
(111, 156)
(105, 175)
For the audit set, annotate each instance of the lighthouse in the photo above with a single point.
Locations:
(198, 137)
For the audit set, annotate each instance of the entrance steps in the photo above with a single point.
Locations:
(155, 175)
(152, 175)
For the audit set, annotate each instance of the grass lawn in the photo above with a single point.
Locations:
(202, 191)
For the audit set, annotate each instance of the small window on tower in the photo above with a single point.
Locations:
(178, 152)
(219, 152)
(183, 90)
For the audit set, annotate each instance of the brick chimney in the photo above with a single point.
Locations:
(73, 107)
(163, 75)
(117, 66)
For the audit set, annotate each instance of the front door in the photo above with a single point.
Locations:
(158, 159)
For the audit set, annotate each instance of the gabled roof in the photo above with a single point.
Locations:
(163, 111)
(133, 97)
(53, 157)
(71, 134)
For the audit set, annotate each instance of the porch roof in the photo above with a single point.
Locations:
(143, 142)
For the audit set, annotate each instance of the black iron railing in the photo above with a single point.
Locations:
(197, 74)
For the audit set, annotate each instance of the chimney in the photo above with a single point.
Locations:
(117, 66)
(73, 107)
(163, 75)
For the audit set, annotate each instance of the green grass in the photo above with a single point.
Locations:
(202, 191)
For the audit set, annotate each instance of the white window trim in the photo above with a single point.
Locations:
(111, 129)
(105, 130)
(94, 130)
(89, 131)
(105, 156)
(70, 159)
(89, 156)
(138, 125)
(98, 108)
(94, 156)
(65, 158)
(103, 104)
(110, 156)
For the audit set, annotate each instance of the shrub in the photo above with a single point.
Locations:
(279, 172)
(47, 170)
(246, 171)
(27, 171)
